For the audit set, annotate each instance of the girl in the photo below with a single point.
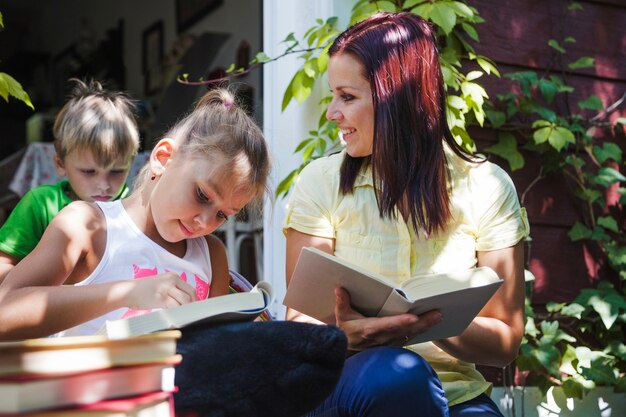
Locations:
(91, 263)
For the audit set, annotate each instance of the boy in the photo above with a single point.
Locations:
(96, 139)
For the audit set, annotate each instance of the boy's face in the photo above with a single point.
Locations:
(90, 181)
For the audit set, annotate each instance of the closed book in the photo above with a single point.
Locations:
(153, 404)
(67, 355)
(226, 308)
(21, 394)
(459, 295)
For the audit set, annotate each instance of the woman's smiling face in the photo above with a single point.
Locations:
(351, 106)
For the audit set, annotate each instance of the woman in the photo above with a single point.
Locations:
(402, 200)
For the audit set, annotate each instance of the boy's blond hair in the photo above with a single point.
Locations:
(97, 120)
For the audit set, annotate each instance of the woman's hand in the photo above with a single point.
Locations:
(160, 291)
(365, 332)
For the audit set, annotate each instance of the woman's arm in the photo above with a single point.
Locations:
(494, 337)
(362, 332)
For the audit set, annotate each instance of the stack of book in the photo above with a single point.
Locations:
(89, 376)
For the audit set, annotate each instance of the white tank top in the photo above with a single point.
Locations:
(130, 254)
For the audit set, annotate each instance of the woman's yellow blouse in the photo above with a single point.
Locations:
(486, 216)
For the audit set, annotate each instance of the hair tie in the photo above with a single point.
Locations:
(229, 104)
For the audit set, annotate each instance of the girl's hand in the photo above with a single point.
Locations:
(364, 332)
(160, 291)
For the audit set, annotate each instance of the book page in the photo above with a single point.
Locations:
(433, 284)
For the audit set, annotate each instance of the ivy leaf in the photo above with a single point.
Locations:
(609, 150)
(582, 62)
(591, 103)
(579, 232)
(548, 90)
(541, 135)
(443, 16)
(555, 45)
(506, 148)
(573, 310)
(560, 137)
(548, 357)
(1, 21)
(608, 223)
(497, 118)
(607, 176)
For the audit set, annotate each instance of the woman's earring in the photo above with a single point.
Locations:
(152, 178)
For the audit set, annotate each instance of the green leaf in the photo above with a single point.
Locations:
(548, 357)
(410, 3)
(582, 62)
(548, 90)
(608, 223)
(621, 120)
(443, 16)
(573, 310)
(310, 68)
(470, 30)
(573, 389)
(487, 65)
(555, 45)
(423, 10)
(560, 136)
(1, 21)
(591, 103)
(285, 184)
(456, 102)
(9, 86)
(496, 118)
(569, 39)
(579, 232)
(261, 57)
(288, 95)
(575, 6)
(506, 148)
(472, 75)
(609, 150)
(542, 135)
(302, 86)
(230, 69)
(461, 9)
(607, 176)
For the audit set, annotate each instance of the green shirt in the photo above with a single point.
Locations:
(23, 229)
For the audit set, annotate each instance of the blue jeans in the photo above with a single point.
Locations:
(390, 381)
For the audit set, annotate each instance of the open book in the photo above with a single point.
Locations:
(243, 306)
(458, 295)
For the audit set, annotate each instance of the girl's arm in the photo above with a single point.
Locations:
(362, 332)
(35, 303)
(219, 267)
(494, 337)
